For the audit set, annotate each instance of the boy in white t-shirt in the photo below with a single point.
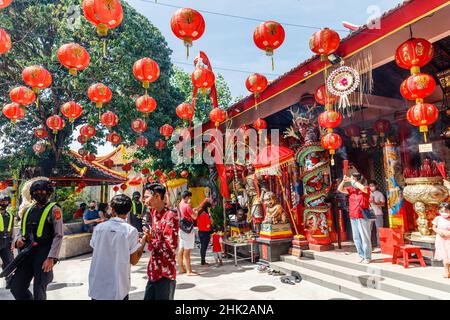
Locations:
(377, 202)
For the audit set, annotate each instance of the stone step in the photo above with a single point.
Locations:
(371, 278)
(334, 283)
(400, 275)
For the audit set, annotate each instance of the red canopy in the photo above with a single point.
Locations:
(271, 158)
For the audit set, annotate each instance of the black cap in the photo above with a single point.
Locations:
(136, 193)
(41, 185)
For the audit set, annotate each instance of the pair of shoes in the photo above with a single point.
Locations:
(361, 260)
(365, 261)
(297, 276)
(288, 280)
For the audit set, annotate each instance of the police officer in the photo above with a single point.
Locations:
(6, 234)
(138, 212)
(43, 220)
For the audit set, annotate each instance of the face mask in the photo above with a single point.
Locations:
(40, 198)
(92, 207)
(3, 206)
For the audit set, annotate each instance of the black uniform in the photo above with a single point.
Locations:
(6, 237)
(49, 240)
(136, 216)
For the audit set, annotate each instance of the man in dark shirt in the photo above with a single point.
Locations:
(137, 213)
(6, 234)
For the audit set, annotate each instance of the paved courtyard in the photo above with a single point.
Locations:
(225, 282)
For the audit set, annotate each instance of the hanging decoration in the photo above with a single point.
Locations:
(108, 163)
(269, 36)
(260, 125)
(82, 152)
(13, 112)
(109, 119)
(330, 119)
(145, 171)
(82, 139)
(73, 56)
(185, 112)
(422, 115)
(55, 123)
(88, 131)
(414, 54)
(22, 95)
(115, 189)
(204, 71)
(188, 25)
(38, 148)
(90, 157)
(417, 87)
(146, 71)
(172, 174)
(217, 116)
(184, 174)
(5, 41)
(324, 98)
(127, 167)
(5, 3)
(331, 142)
(166, 131)
(3, 185)
(382, 126)
(141, 141)
(123, 186)
(40, 133)
(135, 181)
(100, 94)
(256, 83)
(324, 43)
(160, 144)
(146, 104)
(114, 138)
(203, 79)
(342, 82)
(71, 110)
(37, 78)
(138, 125)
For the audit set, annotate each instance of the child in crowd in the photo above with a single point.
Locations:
(441, 225)
(217, 246)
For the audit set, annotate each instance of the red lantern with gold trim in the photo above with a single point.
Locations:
(40, 133)
(185, 111)
(138, 125)
(104, 14)
(160, 144)
(123, 186)
(382, 126)
(114, 138)
(331, 142)
(422, 115)
(260, 125)
(37, 78)
(184, 174)
(256, 83)
(13, 112)
(146, 71)
(73, 56)
(145, 171)
(71, 110)
(88, 131)
(108, 163)
(100, 94)
(82, 139)
(188, 25)
(324, 43)
(203, 79)
(22, 95)
(115, 188)
(414, 54)
(172, 174)
(324, 98)
(127, 167)
(166, 131)
(217, 116)
(269, 36)
(109, 119)
(418, 87)
(56, 123)
(5, 41)
(146, 104)
(330, 119)
(5, 3)
(90, 157)
(142, 141)
(3, 185)
(38, 148)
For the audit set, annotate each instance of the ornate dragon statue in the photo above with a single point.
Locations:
(315, 175)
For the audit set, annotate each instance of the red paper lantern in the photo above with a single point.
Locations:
(74, 57)
(13, 112)
(331, 142)
(123, 186)
(108, 163)
(135, 181)
(145, 171)
(166, 131)
(71, 110)
(115, 188)
(184, 174)
(100, 94)
(127, 167)
(37, 77)
(5, 3)
(104, 14)
(22, 95)
(217, 116)
(422, 115)
(3, 185)
(142, 141)
(90, 157)
(147, 71)
(259, 125)
(88, 131)
(146, 104)
(418, 87)
(172, 174)
(82, 152)
(138, 125)
(414, 54)
(40, 133)
(160, 144)
(81, 185)
(38, 148)
(82, 139)
(114, 138)
(269, 36)
(330, 119)
(5, 41)
(324, 98)
(158, 172)
(185, 111)
(381, 126)
(203, 78)
(353, 131)
(188, 25)
(324, 42)
(256, 84)
(109, 119)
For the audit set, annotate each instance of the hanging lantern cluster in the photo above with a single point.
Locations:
(13, 112)
(109, 119)
(203, 79)
(414, 54)
(100, 94)
(141, 141)
(22, 95)
(74, 57)
(146, 104)
(330, 119)
(256, 83)
(160, 144)
(88, 131)
(260, 125)
(331, 141)
(146, 71)
(5, 41)
(269, 36)
(40, 133)
(71, 110)
(166, 131)
(104, 14)
(114, 138)
(185, 111)
(324, 43)
(217, 116)
(188, 25)
(138, 125)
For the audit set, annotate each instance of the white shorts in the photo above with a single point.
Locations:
(187, 240)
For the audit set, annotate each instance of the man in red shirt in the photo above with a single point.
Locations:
(358, 201)
(163, 242)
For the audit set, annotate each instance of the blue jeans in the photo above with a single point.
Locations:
(361, 230)
(379, 223)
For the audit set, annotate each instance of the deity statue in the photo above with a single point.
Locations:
(275, 213)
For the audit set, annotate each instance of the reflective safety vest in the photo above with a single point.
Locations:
(134, 207)
(11, 218)
(41, 221)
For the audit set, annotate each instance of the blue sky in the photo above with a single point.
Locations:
(228, 41)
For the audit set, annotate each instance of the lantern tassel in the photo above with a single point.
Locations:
(104, 48)
(273, 64)
(75, 83)
(425, 137)
(187, 52)
(256, 102)
(37, 102)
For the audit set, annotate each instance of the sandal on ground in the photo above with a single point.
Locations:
(287, 280)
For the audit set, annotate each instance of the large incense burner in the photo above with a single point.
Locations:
(424, 193)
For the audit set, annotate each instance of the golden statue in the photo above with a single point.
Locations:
(275, 213)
